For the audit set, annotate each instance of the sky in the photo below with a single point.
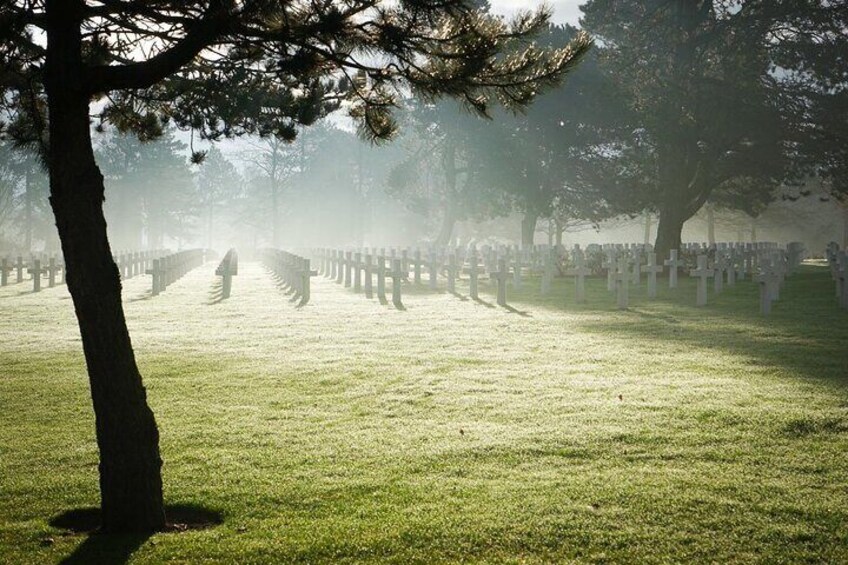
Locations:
(565, 11)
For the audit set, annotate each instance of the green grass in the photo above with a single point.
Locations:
(453, 431)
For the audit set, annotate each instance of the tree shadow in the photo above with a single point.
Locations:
(115, 549)
(458, 295)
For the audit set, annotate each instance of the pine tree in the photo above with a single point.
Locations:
(222, 68)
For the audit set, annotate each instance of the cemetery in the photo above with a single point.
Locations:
(380, 282)
(538, 409)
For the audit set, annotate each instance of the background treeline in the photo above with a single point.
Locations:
(702, 120)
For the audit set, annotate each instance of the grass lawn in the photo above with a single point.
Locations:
(453, 431)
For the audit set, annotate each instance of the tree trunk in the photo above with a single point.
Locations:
(28, 211)
(648, 227)
(448, 224)
(711, 239)
(528, 228)
(560, 228)
(753, 230)
(130, 465)
(669, 230)
(845, 227)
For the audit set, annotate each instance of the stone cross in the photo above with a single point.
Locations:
(516, 271)
(719, 267)
(369, 285)
(348, 269)
(622, 280)
(340, 267)
(381, 279)
(652, 269)
(703, 273)
(156, 273)
(305, 275)
(767, 281)
(37, 272)
(52, 269)
(731, 269)
(452, 271)
(357, 272)
(610, 265)
(416, 265)
(637, 268)
(473, 274)
(579, 273)
(501, 275)
(5, 269)
(433, 269)
(548, 272)
(396, 276)
(673, 264)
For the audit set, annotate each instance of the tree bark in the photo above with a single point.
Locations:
(528, 228)
(711, 239)
(28, 210)
(448, 223)
(127, 436)
(560, 228)
(669, 231)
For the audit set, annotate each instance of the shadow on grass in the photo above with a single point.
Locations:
(482, 302)
(216, 293)
(146, 295)
(115, 549)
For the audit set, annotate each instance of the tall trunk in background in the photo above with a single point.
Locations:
(451, 211)
(648, 228)
(711, 239)
(209, 224)
(28, 211)
(528, 228)
(127, 436)
(753, 230)
(275, 209)
(448, 223)
(844, 226)
(560, 228)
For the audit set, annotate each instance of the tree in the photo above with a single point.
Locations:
(551, 141)
(276, 161)
(218, 184)
(709, 120)
(222, 68)
(149, 188)
(456, 167)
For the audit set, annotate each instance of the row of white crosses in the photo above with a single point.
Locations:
(167, 269)
(353, 268)
(293, 270)
(133, 263)
(38, 267)
(348, 268)
(623, 263)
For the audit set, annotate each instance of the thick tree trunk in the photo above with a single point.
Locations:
(669, 231)
(648, 227)
(130, 465)
(528, 228)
